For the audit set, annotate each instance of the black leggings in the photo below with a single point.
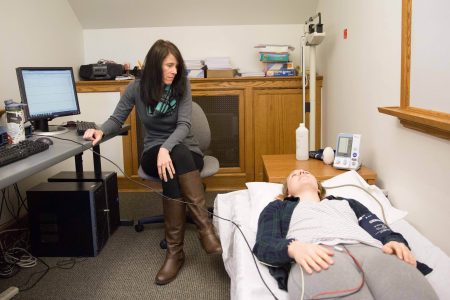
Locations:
(183, 160)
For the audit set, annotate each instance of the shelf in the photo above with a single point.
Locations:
(427, 121)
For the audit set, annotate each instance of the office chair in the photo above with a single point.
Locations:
(200, 129)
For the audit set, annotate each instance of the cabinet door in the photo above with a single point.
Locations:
(224, 110)
(276, 114)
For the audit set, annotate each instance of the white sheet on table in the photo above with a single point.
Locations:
(245, 281)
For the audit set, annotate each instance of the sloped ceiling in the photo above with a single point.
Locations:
(98, 14)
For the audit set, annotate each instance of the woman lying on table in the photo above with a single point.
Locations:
(344, 249)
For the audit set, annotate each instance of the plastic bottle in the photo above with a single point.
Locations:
(15, 120)
(302, 144)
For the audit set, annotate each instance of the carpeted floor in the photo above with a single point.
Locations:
(126, 266)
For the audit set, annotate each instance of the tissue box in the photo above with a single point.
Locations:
(196, 73)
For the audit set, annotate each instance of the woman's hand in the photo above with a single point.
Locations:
(94, 135)
(310, 256)
(401, 251)
(164, 164)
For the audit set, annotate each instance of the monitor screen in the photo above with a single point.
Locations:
(48, 93)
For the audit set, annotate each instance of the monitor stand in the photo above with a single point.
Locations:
(52, 130)
(41, 127)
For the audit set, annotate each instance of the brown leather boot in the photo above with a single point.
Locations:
(192, 189)
(175, 225)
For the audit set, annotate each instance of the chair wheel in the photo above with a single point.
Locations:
(163, 244)
(138, 227)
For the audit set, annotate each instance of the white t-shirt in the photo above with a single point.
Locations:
(329, 222)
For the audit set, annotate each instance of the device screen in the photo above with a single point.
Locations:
(344, 146)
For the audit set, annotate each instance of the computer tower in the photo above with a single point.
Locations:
(109, 180)
(67, 218)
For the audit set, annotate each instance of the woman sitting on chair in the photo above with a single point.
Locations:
(344, 249)
(163, 102)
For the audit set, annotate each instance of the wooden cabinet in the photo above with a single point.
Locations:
(277, 114)
(263, 119)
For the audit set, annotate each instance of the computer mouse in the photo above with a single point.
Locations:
(45, 140)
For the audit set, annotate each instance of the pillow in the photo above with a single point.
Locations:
(261, 193)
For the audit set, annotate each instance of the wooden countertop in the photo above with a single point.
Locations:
(278, 167)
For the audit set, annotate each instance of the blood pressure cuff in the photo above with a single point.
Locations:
(378, 230)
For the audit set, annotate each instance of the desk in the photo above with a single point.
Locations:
(278, 167)
(58, 152)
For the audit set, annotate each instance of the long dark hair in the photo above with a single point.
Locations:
(151, 85)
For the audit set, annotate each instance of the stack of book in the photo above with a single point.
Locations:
(276, 60)
(195, 68)
(252, 74)
(219, 67)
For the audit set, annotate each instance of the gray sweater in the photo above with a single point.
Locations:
(168, 130)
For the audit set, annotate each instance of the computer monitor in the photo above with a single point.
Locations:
(48, 92)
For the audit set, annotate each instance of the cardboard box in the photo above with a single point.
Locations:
(228, 73)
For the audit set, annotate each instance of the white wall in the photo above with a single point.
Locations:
(36, 33)
(363, 73)
(195, 42)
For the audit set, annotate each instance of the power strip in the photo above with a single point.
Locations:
(9, 293)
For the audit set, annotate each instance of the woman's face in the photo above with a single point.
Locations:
(169, 69)
(301, 180)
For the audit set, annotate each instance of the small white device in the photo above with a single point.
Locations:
(315, 38)
(347, 151)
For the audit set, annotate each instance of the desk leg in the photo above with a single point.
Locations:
(97, 161)
(79, 163)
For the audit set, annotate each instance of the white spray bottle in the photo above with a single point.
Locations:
(302, 142)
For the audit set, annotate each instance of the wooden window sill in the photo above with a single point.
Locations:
(428, 121)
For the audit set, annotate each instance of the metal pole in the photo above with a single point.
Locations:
(312, 97)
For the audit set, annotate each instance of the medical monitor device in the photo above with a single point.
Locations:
(347, 152)
(48, 92)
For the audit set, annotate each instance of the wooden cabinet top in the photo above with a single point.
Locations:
(278, 167)
(99, 86)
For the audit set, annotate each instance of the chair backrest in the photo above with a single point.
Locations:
(201, 131)
(200, 126)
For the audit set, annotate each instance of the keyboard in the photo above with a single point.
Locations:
(82, 126)
(12, 153)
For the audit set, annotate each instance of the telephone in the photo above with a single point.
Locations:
(347, 151)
